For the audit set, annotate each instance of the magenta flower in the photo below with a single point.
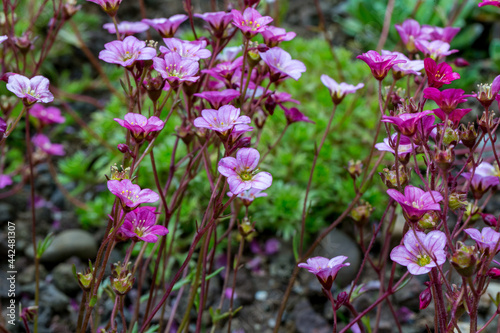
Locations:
(225, 70)
(438, 33)
(217, 22)
(436, 49)
(487, 93)
(448, 99)
(420, 252)
(229, 53)
(194, 50)
(3, 38)
(424, 129)
(5, 180)
(109, 6)
(3, 127)
(379, 64)
(139, 225)
(415, 202)
(30, 90)
(126, 28)
(131, 195)
(485, 177)
(166, 27)
(293, 115)
(273, 36)
(242, 173)
(175, 69)
(454, 116)
(409, 32)
(248, 196)
(126, 52)
(406, 68)
(404, 147)
(406, 123)
(46, 116)
(495, 3)
(250, 22)
(325, 269)
(281, 65)
(486, 240)
(339, 90)
(219, 98)
(221, 120)
(439, 75)
(140, 126)
(43, 142)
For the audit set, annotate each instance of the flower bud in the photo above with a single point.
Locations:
(472, 211)
(494, 273)
(361, 213)
(457, 200)
(489, 219)
(486, 94)
(24, 42)
(154, 87)
(121, 278)
(262, 48)
(354, 168)
(461, 62)
(342, 299)
(451, 136)
(29, 313)
(444, 158)
(84, 280)
(468, 135)
(70, 9)
(123, 148)
(429, 220)
(270, 104)
(389, 177)
(464, 260)
(425, 298)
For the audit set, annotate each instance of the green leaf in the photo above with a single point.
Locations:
(42, 246)
(93, 301)
(295, 244)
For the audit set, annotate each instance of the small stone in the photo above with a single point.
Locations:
(64, 280)
(261, 295)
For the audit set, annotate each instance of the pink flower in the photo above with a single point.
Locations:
(415, 202)
(293, 115)
(495, 3)
(250, 22)
(448, 99)
(225, 70)
(194, 50)
(219, 98)
(487, 93)
(139, 225)
(454, 116)
(248, 196)
(109, 6)
(3, 127)
(3, 38)
(438, 33)
(30, 90)
(221, 120)
(404, 147)
(409, 67)
(126, 28)
(131, 195)
(420, 252)
(406, 123)
(439, 75)
(140, 126)
(126, 52)
(47, 115)
(273, 36)
(43, 142)
(339, 90)
(486, 240)
(281, 64)
(5, 180)
(325, 269)
(436, 49)
(175, 69)
(379, 64)
(485, 177)
(217, 22)
(242, 173)
(409, 32)
(166, 27)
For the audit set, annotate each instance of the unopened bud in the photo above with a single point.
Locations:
(445, 158)
(464, 260)
(354, 168)
(262, 48)
(360, 214)
(461, 62)
(123, 148)
(342, 299)
(494, 273)
(84, 280)
(468, 135)
(425, 298)
(429, 220)
(471, 211)
(489, 219)
(457, 200)
(389, 177)
(270, 104)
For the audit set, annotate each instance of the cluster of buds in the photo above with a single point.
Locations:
(121, 278)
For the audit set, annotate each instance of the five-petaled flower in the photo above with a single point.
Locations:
(325, 269)
(406, 123)
(47, 115)
(416, 202)
(380, 64)
(485, 177)
(404, 147)
(31, 90)
(241, 172)
(43, 142)
(448, 99)
(218, 98)
(221, 120)
(420, 252)
(495, 3)
(166, 27)
(131, 195)
(436, 49)
(486, 240)
(194, 50)
(126, 28)
(217, 22)
(109, 6)
(439, 75)
(281, 65)
(126, 52)
(140, 225)
(140, 126)
(176, 69)
(250, 22)
(273, 36)
(339, 90)
(409, 32)
(248, 196)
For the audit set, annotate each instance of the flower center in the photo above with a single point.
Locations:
(246, 176)
(423, 260)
